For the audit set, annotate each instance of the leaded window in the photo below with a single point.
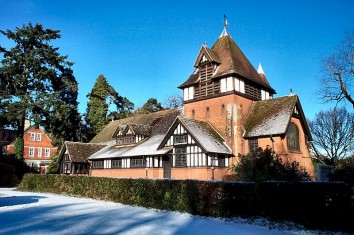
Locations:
(137, 162)
(180, 139)
(181, 157)
(97, 164)
(293, 137)
(253, 145)
(117, 163)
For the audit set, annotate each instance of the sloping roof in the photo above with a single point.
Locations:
(234, 61)
(203, 133)
(269, 117)
(106, 135)
(231, 61)
(160, 122)
(7, 136)
(79, 152)
(210, 54)
(209, 139)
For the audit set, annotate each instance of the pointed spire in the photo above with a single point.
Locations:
(224, 32)
(260, 69)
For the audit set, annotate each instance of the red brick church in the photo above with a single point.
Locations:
(229, 111)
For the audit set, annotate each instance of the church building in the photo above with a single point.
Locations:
(229, 111)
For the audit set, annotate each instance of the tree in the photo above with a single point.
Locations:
(37, 83)
(173, 102)
(151, 106)
(338, 71)
(101, 97)
(333, 132)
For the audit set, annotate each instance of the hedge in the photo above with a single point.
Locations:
(313, 204)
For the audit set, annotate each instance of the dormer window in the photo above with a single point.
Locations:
(132, 133)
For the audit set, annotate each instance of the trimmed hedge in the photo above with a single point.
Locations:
(315, 205)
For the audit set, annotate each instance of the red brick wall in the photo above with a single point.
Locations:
(157, 173)
(44, 143)
(229, 124)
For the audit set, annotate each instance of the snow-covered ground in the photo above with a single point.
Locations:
(41, 213)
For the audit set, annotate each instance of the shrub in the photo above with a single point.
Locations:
(316, 205)
(344, 171)
(265, 167)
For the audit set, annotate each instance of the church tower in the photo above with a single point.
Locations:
(222, 88)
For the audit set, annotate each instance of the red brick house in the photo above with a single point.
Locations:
(229, 110)
(38, 148)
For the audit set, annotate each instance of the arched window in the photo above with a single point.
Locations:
(293, 137)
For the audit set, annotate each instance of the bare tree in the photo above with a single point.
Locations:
(333, 132)
(338, 70)
(173, 102)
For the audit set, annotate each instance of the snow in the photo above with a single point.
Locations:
(40, 213)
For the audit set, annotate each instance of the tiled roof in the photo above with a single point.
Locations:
(231, 60)
(209, 139)
(79, 152)
(106, 135)
(234, 61)
(269, 117)
(160, 122)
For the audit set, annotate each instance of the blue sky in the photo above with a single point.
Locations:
(147, 48)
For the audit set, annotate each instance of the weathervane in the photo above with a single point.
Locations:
(225, 21)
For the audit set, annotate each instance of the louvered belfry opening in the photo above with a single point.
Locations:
(207, 86)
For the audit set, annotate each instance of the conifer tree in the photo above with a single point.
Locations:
(101, 97)
(37, 83)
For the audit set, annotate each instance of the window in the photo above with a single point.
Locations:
(47, 152)
(193, 114)
(31, 152)
(129, 139)
(137, 162)
(253, 146)
(293, 137)
(117, 163)
(207, 112)
(66, 157)
(181, 157)
(97, 164)
(223, 110)
(180, 139)
(39, 137)
(33, 137)
(221, 161)
(39, 152)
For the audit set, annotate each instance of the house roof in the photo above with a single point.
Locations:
(271, 117)
(106, 135)
(147, 147)
(203, 133)
(79, 152)
(159, 123)
(7, 136)
(231, 61)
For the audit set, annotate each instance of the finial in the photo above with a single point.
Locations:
(260, 69)
(224, 32)
(291, 91)
(205, 44)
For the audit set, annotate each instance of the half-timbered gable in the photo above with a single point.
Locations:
(196, 144)
(131, 133)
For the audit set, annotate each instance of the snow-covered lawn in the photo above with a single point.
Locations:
(42, 213)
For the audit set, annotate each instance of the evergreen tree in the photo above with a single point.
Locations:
(37, 83)
(151, 106)
(101, 97)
